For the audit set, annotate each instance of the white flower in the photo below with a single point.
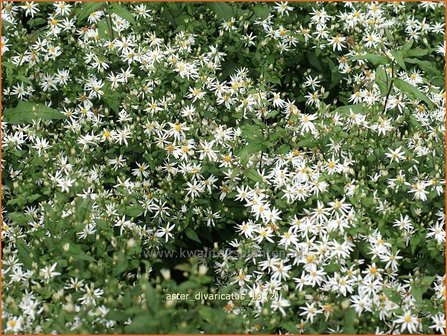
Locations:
(419, 190)
(408, 322)
(439, 323)
(437, 232)
(48, 272)
(280, 304)
(396, 154)
(14, 325)
(30, 8)
(165, 232)
(337, 42)
(310, 312)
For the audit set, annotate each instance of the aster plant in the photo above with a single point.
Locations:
(298, 146)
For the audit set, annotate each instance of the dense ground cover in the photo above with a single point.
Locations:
(296, 148)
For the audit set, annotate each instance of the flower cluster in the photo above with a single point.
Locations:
(303, 143)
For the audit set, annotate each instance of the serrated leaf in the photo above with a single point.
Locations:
(290, 327)
(392, 294)
(283, 149)
(309, 142)
(374, 59)
(191, 234)
(399, 58)
(36, 22)
(313, 60)
(349, 317)
(222, 10)
(251, 132)
(87, 9)
(425, 66)
(121, 265)
(19, 217)
(417, 52)
(23, 79)
(427, 281)
(33, 197)
(332, 267)
(83, 207)
(103, 29)
(75, 251)
(134, 211)
(253, 175)
(407, 47)
(122, 12)
(357, 108)
(412, 92)
(26, 112)
(24, 254)
(419, 288)
(261, 11)
(382, 80)
(247, 151)
(112, 98)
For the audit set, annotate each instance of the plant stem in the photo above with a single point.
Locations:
(110, 24)
(390, 88)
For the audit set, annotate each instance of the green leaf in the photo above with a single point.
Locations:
(374, 59)
(349, 320)
(103, 29)
(247, 151)
(392, 294)
(308, 142)
(23, 79)
(19, 218)
(412, 92)
(417, 52)
(222, 10)
(122, 12)
(261, 11)
(36, 22)
(407, 47)
(283, 149)
(425, 66)
(75, 251)
(382, 80)
(122, 265)
(253, 175)
(427, 281)
(33, 197)
(190, 233)
(24, 254)
(251, 132)
(357, 108)
(228, 68)
(399, 58)
(83, 207)
(335, 77)
(420, 287)
(415, 241)
(313, 60)
(134, 211)
(89, 8)
(290, 327)
(112, 98)
(332, 267)
(26, 112)
(279, 133)
(185, 267)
